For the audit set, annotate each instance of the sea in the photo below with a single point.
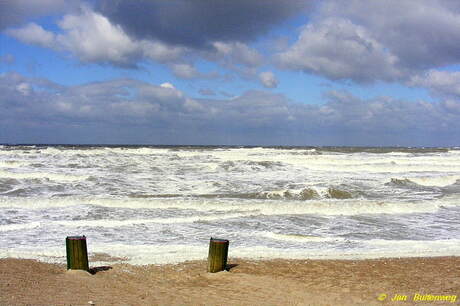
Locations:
(162, 204)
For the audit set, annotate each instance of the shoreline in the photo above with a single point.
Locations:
(248, 282)
(101, 258)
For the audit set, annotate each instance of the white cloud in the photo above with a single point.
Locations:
(421, 33)
(139, 110)
(161, 52)
(33, 34)
(268, 79)
(91, 37)
(367, 41)
(168, 85)
(24, 88)
(237, 52)
(338, 49)
(194, 106)
(444, 83)
(184, 71)
(452, 105)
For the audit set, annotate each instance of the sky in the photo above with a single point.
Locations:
(240, 72)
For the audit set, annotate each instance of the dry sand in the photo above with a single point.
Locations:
(249, 282)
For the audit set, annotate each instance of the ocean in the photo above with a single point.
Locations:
(161, 204)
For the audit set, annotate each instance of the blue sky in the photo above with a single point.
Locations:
(243, 72)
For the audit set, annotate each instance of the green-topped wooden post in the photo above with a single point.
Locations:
(77, 254)
(218, 253)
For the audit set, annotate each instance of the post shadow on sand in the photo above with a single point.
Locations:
(230, 266)
(94, 270)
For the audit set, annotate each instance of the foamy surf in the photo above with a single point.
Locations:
(42, 175)
(438, 181)
(299, 237)
(19, 226)
(176, 253)
(162, 204)
(248, 207)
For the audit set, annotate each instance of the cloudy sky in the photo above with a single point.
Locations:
(246, 72)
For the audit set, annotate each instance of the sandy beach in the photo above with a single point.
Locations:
(414, 281)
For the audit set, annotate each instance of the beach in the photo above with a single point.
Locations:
(414, 281)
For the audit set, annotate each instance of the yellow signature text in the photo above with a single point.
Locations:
(419, 297)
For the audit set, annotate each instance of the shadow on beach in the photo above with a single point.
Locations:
(230, 266)
(99, 269)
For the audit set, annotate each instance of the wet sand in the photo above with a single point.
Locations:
(248, 282)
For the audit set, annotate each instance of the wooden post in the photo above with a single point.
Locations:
(218, 253)
(77, 254)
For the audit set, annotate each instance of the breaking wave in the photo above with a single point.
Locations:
(231, 208)
(44, 175)
(429, 181)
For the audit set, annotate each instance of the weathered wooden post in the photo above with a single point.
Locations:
(218, 253)
(77, 254)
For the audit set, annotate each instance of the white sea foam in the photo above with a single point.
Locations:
(44, 175)
(383, 168)
(297, 237)
(436, 181)
(13, 164)
(347, 208)
(19, 226)
(249, 207)
(390, 249)
(145, 254)
(76, 151)
(118, 223)
(198, 205)
(399, 154)
(137, 151)
(175, 253)
(383, 163)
